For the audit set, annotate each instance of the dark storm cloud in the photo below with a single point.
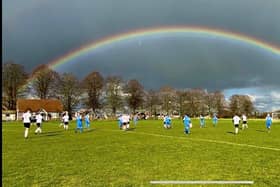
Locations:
(184, 63)
(38, 31)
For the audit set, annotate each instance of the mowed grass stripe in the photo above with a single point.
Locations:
(107, 156)
(199, 139)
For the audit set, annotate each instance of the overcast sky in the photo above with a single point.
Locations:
(39, 31)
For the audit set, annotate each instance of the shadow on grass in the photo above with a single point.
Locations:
(53, 132)
(229, 132)
(84, 130)
(46, 135)
(57, 134)
(88, 130)
(261, 130)
(131, 129)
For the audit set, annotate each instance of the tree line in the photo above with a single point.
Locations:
(114, 94)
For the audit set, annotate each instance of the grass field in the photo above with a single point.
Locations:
(107, 156)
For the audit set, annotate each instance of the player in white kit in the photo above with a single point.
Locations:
(26, 122)
(244, 122)
(236, 120)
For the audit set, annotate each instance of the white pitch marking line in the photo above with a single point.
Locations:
(201, 182)
(212, 141)
(205, 140)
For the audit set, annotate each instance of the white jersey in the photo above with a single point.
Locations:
(244, 118)
(39, 118)
(26, 117)
(125, 118)
(236, 120)
(65, 118)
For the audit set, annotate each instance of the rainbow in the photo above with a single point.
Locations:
(203, 31)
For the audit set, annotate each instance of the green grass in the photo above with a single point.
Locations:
(107, 156)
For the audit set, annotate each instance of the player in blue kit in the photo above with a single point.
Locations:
(268, 122)
(120, 121)
(202, 121)
(215, 120)
(187, 123)
(135, 119)
(167, 122)
(87, 120)
(79, 122)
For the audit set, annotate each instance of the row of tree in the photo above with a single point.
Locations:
(97, 92)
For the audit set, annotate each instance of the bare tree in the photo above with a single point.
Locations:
(181, 97)
(45, 81)
(234, 104)
(248, 106)
(113, 92)
(13, 77)
(191, 106)
(152, 100)
(135, 91)
(219, 102)
(199, 100)
(215, 102)
(93, 84)
(210, 102)
(241, 104)
(167, 97)
(69, 91)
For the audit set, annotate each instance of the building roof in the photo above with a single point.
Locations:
(50, 105)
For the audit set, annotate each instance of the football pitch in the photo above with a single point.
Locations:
(108, 156)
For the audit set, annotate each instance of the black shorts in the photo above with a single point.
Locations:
(26, 125)
(244, 122)
(38, 124)
(124, 123)
(236, 125)
(66, 123)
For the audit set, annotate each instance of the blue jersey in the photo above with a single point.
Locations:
(215, 119)
(79, 122)
(268, 120)
(120, 120)
(167, 120)
(87, 119)
(187, 121)
(135, 118)
(201, 120)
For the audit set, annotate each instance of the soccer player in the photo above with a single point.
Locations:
(26, 122)
(39, 119)
(61, 120)
(202, 121)
(236, 120)
(128, 121)
(120, 121)
(33, 119)
(79, 122)
(244, 122)
(87, 120)
(125, 121)
(187, 124)
(65, 120)
(135, 119)
(167, 122)
(268, 122)
(215, 120)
